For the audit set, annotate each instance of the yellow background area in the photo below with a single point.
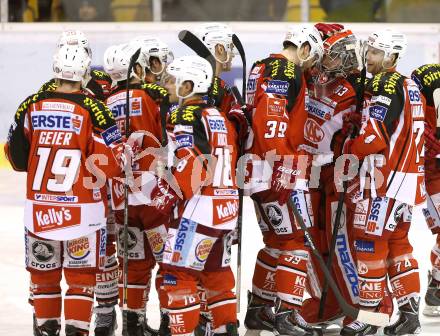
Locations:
(3, 161)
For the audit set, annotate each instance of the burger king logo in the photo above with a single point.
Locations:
(203, 248)
(156, 242)
(79, 248)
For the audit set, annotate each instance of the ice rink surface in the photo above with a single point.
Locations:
(16, 314)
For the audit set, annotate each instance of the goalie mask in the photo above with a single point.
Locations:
(340, 57)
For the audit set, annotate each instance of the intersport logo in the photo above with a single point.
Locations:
(55, 218)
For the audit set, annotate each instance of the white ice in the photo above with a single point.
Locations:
(16, 314)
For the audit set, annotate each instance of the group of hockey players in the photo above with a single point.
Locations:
(151, 179)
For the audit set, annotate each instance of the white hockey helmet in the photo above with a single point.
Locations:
(117, 59)
(191, 68)
(71, 62)
(389, 41)
(214, 33)
(74, 37)
(154, 47)
(300, 34)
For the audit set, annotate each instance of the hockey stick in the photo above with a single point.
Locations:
(240, 49)
(359, 104)
(436, 98)
(133, 59)
(373, 318)
(194, 43)
(240, 177)
(240, 100)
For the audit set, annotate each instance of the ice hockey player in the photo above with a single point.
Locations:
(427, 78)
(217, 37)
(96, 83)
(276, 90)
(60, 138)
(393, 132)
(146, 226)
(158, 56)
(204, 175)
(331, 117)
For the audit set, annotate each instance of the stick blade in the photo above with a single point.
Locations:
(194, 43)
(373, 318)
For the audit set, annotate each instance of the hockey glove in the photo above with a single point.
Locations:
(240, 116)
(124, 156)
(163, 197)
(351, 122)
(282, 181)
(328, 29)
(432, 144)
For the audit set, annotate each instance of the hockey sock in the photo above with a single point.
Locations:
(372, 271)
(46, 291)
(139, 275)
(222, 303)
(263, 281)
(404, 278)
(291, 276)
(183, 304)
(78, 304)
(106, 289)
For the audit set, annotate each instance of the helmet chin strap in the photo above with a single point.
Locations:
(388, 57)
(181, 98)
(302, 60)
(86, 79)
(157, 73)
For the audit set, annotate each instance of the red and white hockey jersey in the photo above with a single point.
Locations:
(325, 114)
(394, 130)
(206, 159)
(69, 145)
(146, 103)
(276, 90)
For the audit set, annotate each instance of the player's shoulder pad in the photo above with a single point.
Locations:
(427, 75)
(390, 83)
(50, 85)
(281, 69)
(100, 114)
(187, 115)
(100, 75)
(33, 98)
(355, 80)
(155, 91)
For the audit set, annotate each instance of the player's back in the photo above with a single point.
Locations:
(396, 119)
(276, 90)
(427, 77)
(147, 102)
(205, 134)
(145, 114)
(72, 139)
